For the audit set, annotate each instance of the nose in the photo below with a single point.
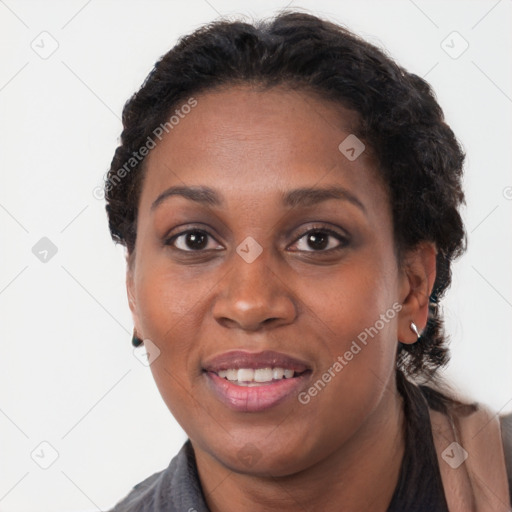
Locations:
(253, 297)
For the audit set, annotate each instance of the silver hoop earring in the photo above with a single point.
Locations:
(414, 329)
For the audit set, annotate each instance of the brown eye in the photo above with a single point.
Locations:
(317, 240)
(320, 240)
(192, 240)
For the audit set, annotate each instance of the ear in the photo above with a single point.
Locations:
(130, 291)
(418, 277)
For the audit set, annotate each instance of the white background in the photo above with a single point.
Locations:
(67, 372)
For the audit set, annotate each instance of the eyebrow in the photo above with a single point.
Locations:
(199, 194)
(310, 196)
(301, 197)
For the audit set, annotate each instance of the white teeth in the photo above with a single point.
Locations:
(251, 377)
(263, 374)
(245, 374)
(288, 374)
(231, 374)
(278, 373)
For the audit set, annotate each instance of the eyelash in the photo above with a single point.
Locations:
(343, 240)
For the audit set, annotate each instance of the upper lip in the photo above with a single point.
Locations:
(242, 359)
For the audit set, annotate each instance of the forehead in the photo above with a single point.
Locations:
(250, 140)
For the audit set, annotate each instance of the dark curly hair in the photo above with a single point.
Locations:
(418, 156)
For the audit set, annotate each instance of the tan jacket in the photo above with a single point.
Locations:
(471, 455)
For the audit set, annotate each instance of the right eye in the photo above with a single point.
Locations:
(193, 240)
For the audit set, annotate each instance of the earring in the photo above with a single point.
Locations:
(414, 329)
(136, 341)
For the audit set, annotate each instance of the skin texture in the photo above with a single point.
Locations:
(251, 146)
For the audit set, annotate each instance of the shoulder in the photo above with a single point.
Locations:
(506, 434)
(156, 493)
(491, 431)
(475, 436)
(142, 496)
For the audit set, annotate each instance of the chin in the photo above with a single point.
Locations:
(264, 457)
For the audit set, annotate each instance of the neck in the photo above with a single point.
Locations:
(362, 474)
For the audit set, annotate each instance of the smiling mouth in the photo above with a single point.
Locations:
(255, 381)
(250, 377)
(244, 368)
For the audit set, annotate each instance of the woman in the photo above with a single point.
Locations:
(288, 197)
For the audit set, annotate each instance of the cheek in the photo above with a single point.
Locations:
(170, 308)
(167, 299)
(360, 346)
(355, 316)
(352, 302)
(166, 293)
(358, 334)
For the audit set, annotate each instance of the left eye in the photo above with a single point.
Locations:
(320, 240)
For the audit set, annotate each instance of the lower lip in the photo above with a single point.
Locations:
(255, 398)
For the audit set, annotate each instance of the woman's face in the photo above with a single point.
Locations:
(265, 251)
